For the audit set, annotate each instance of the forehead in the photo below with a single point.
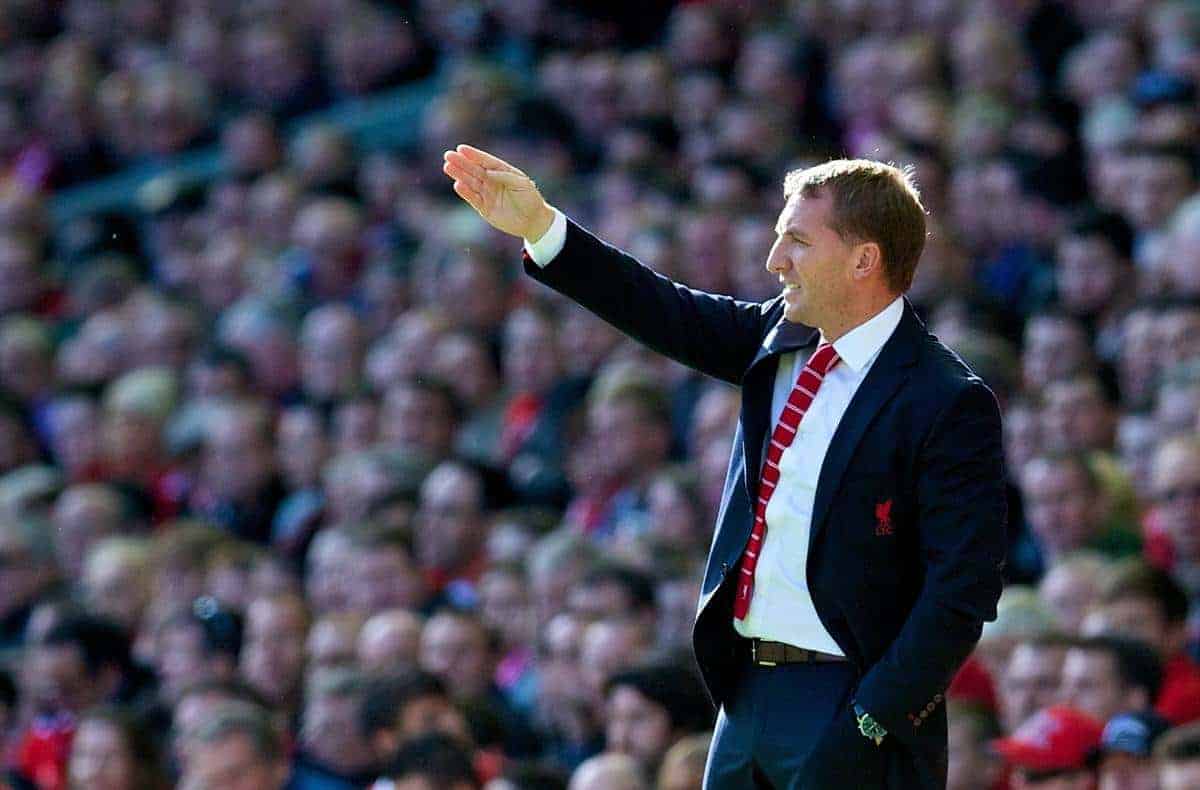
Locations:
(1089, 660)
(808, 214)
(1033, 659)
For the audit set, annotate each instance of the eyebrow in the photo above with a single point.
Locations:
(793, 231)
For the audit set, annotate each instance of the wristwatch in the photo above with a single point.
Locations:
(868, 726)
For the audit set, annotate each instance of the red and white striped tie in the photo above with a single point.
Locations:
(807, 384)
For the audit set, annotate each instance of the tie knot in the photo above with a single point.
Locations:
(824, 358)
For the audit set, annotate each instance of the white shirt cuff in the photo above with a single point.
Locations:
(551, 243)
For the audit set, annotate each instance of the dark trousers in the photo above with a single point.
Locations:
(775, 719)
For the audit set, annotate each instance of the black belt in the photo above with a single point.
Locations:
(769, 654)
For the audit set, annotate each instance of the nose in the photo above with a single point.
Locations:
(776, 262)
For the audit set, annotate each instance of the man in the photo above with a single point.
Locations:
(83, 515)
(629, 429)
(390, 641)
(451, 525)
(116, 580)
(1142, 602)
(1031, 679)
(1106, 675)
(331, 353)
(199, 703)
(851, 632)
(385, 575)
(272, 657)
(420, 415)
(238, 748)
(458, 649)
(334, 753)
(191, 645)
(611, 590)
(1052, 750)
(972, 764)
(1055, 347)
(1123, 759)
(1063, 505)
(649, 708)
(239, 487)
(27, 573)
(397, 709)
(1077, 415)
(1175, 511)
(82, 662)
(609, 646)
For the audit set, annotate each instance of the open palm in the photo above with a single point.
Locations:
(503, 195)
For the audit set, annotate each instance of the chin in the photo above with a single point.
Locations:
(795, 315)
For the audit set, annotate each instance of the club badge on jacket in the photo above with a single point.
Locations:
(883, 518)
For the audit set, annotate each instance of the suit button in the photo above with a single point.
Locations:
(929, 708)
(937, 697)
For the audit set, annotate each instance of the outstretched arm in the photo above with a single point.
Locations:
(715, 334)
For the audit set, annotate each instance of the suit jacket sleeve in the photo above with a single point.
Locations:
(714, 334)
(962, 509)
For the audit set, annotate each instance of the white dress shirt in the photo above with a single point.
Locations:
(781, 609)
(551, 242)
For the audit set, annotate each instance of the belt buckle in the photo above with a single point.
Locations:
(754, 655)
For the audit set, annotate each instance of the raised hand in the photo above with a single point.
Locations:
(506, 198)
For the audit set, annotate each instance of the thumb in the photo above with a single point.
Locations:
(517, 181)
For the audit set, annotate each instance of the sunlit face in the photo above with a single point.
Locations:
(1060, 504)
(637, 726)
(1176, 491)
(811, 261)
(232, 764)
(1090, 683)
(99, 758)
(1030, 682)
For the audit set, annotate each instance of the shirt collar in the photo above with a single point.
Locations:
(860, 345)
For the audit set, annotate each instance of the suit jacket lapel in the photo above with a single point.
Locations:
(758, 387)
(890, 371)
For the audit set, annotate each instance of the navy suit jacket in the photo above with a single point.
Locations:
(908, 529)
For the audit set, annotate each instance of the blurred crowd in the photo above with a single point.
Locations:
(303, 485)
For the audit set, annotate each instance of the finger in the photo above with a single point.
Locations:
(471, 196)
(512, 181)
(458, 160)
(485, 159)
(459, 174)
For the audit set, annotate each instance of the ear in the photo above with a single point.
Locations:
(868, 258)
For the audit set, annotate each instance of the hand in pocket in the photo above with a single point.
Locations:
(844, 758)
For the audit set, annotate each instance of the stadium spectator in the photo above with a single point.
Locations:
(1054, 746)
(1124, 756)
(236, 747)
(1105, 675)
(287, 333)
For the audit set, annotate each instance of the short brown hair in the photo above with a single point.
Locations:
(872, 201)
(244, 719)
(1134, 578)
